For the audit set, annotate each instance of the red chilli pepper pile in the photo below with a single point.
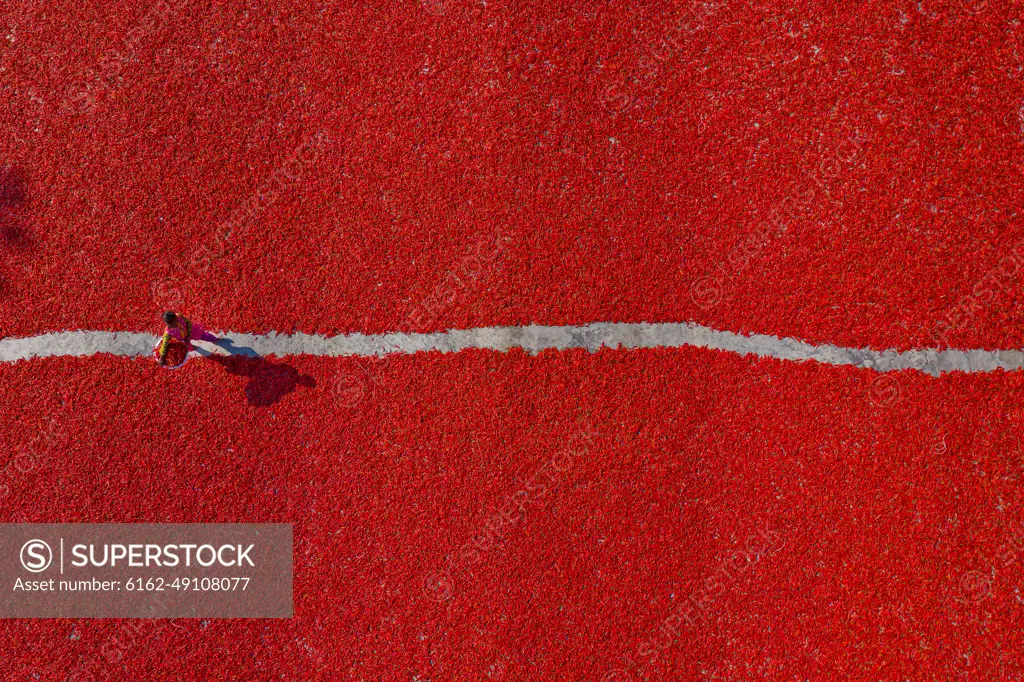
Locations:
(844, 173)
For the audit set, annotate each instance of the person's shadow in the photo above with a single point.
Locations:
(14, 232)
(15, 235)
(268, 381)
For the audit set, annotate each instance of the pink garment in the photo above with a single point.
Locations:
(199, 333)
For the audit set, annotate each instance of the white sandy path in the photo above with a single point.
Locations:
(531, 339)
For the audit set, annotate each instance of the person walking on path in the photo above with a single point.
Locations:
(178, 337)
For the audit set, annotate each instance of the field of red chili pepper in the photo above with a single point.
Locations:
(843, 173)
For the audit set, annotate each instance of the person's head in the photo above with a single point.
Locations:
(170, 319)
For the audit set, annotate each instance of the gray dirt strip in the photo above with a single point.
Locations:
(531, 339)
